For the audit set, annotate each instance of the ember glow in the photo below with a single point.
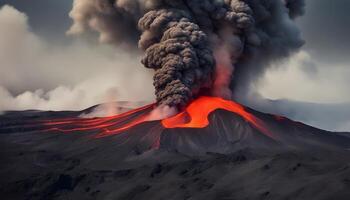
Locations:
(196, 115)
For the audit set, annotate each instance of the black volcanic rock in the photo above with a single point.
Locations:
(229, 159)
(229, 132)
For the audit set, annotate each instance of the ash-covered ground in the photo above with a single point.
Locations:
(229, 159)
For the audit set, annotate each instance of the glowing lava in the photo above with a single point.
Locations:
(83, 124)
(196, 115)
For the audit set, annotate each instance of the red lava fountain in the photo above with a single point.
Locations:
(196, 115)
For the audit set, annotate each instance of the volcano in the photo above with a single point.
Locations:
(213, 149)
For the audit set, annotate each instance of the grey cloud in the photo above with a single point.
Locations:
(326, 28)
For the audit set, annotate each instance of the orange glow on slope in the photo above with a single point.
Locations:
(137, 121)
(197, 113)
(70, 125)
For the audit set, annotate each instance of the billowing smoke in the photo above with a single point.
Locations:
(197, 46)
(178, 50)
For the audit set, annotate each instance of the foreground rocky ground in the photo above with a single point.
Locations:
(51, 165)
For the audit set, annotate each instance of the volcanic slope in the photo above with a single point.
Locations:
(239, 154)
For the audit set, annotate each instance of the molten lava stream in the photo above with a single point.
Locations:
(84, 121)
(80, 124)
(199, 110)
(125, 127)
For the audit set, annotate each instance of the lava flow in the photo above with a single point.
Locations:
(97, 124)
(199, 110)
(196, 115)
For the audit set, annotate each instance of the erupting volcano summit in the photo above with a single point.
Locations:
(207, 124)
(196, 115)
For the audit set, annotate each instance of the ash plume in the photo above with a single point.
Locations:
(178, 50)
(184, 40)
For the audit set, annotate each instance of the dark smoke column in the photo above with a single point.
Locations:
(180, 54)
(216, 46)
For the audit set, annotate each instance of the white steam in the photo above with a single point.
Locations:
(162, 112)
(38, 74)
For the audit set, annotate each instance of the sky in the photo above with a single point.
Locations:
(43, 68)
(320, 73)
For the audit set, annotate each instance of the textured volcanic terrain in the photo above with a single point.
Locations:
(45, 158)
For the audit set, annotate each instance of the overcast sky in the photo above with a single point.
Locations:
(321, 72)
(40, 62)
